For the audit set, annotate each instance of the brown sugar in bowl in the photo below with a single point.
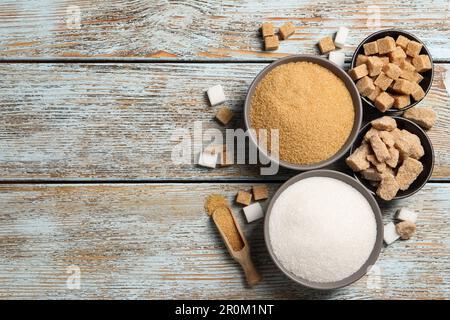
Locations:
(350, 86)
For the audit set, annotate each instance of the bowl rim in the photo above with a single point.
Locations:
(351, 87)
(373, 257)
(410, 36)
(427, 138)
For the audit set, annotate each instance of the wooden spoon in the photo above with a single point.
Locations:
(238, 248)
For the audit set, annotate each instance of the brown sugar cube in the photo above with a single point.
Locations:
(397, 56)
(271, 43)
(286, 30)
(409, 75)
(361, 59)
(418, 77)
(392, 70)
(403, 86)
(358, 72)
(365, 86)
(402, 42)
(379, 148)
(395, 155)
(386, 45)
(405, 229)
(267, 29)
(409, 145)
(384, 102)
(401, 101)
(374, 64)
(244, 197)
(424, 117)
(387, 138)
(422, 63)
(380, 166)
(326, 45)
(407, 66)
(408, 172)
(384, 123)
(383, 81)
(260, 192)
(388, 187)
(369, 134)
(374, 94)
(370, 48)
(385, 60)
(413, 48)
(417, 94)
(224, 115)
(357, 160)
(371, 174)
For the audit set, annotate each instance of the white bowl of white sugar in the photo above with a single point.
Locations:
(323, 229)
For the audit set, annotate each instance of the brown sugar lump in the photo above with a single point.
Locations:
(380, 166)
(244, 197)
(374, 94)
(385, 60)
(361, 59)
(370, 48)
(271, 43)
(409, 145)
(401, 101)
(384, 123)
(418, 77)
(408, 172)
(410, 75)
(388, 187)
(417, 93)
(422, 63)
(374, 64)
(371, 174)
(383, 81)
(402, 42)
(286, 30)
(224, 115)
(413, 48)
(379, 148)
(387, 138)
(267, 29)
(384, 102)
(372, 131)
(407, 66)
(405, 229)
(392, 70)
(397, 56)
(260, 192)
(403, 86)
(358, 72)
(424, 117)
(357, 161)
(395, 155)
(386, 45)
(365, 86)
(326, 45)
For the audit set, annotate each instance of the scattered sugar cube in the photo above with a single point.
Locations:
(401, 101)
(224, 115)
(402, 42)
(358, 72)
(413, 48)
(422, 63)
(271, 43)
(388, 187)
(253, 212)
(260, 192)
(405, 229)
(384, 123)
(392, 70)
(207, 159)
(384, 102)
(374, 64)
(405, 214)
(337, 57)
(216, 95)
(244, 197)
(390, 233)
(326, 45)
(370, 48)
(286, 30)
(383, 81)
(397, 56)
(267, 29)
(417, 92)
(365, 86)
(341, 37)
(403, 86)
(386, 45)
(424, 117)
(361, 59)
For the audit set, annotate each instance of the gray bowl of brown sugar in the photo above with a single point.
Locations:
(313, 104)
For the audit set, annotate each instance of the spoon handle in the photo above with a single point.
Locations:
(251, 274)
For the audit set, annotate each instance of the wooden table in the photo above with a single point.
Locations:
(86, 119)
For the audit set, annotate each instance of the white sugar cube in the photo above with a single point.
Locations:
(207, 159)
(216, 95)
(337, 57)
(406, 215)
(253, 212)
(390, 233)
(341, 37)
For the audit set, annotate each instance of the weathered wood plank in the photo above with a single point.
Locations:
(104, 121)
(213, 29)
(155, 241)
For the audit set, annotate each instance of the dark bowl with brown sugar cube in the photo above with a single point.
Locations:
(427, 159)
(427, 75)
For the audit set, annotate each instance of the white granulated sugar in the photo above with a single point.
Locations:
(322, 229)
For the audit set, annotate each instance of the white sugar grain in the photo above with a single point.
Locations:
(322, 229)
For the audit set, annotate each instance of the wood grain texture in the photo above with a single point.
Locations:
(155, 241)
(213, 29)
(113, 122)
